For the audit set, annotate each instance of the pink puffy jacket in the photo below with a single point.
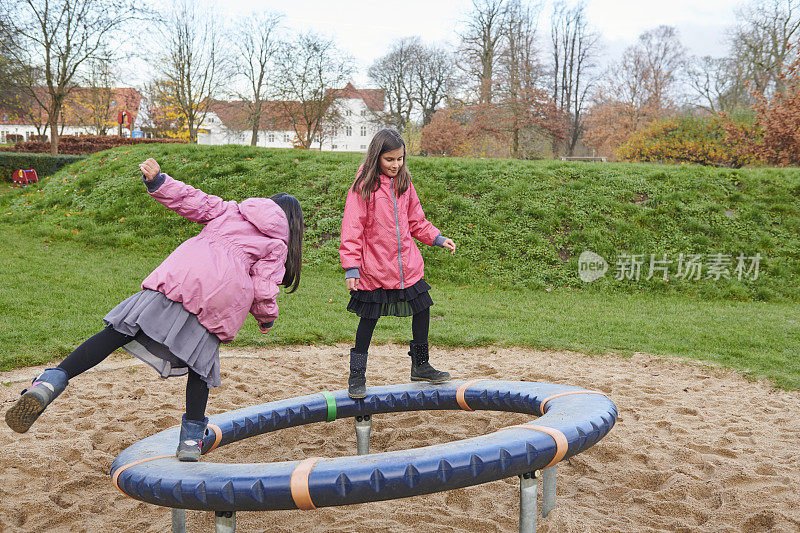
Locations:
(377, 237)
(232, 267)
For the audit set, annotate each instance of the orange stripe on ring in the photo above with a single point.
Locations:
(217, 436)
(543, 404)
(462, 402)
(561, 440)
(115, 477)
(299, 484)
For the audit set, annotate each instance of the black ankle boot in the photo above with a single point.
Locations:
(421, 369)
(357, 382)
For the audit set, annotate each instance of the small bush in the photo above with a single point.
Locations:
(83, 144)
(13, 138)
(43, 164)
(700, 140)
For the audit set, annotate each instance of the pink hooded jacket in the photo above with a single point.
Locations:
(232, 267)
(378, 237)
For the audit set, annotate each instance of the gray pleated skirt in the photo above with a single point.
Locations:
(166, 336)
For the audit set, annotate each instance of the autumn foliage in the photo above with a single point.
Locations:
(779, 120)
(700, 140)
(83, 144)
(493, 129)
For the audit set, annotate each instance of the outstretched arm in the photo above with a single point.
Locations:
(188, 202)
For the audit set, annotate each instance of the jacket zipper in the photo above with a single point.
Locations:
(397, 230)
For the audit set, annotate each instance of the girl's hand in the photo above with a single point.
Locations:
(263, 329)
(450, 245)
(150, 169)
(352, 284)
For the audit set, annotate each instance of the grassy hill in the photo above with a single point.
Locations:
(518, 224)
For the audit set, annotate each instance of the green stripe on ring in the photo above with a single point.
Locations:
(331, 401)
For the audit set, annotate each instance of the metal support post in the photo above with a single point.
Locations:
(528, 488)
(363, 428)
(548, 490)
(225, 521)
(178, 520)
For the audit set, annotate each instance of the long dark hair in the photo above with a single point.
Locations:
(367, 181)
(294, 259)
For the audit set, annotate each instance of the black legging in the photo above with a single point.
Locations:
(95, 349)
(420, 324)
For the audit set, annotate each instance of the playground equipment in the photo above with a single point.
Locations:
(570, 421)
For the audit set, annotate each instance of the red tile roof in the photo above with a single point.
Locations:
(372, 97)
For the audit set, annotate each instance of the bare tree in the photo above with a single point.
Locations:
(92, 104)
(54, 38)
(192, 67)
(664, 57)
(518, 67)
(434, 74)
(762, 41)
(309, 71)
(719, 83)
(255, 44)
(394, 73)
(480, 44)
(575, 45)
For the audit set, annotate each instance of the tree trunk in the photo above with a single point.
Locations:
(53, 123)
(515, 143)
(254, 136)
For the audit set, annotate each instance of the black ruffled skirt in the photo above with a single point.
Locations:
(391, 302)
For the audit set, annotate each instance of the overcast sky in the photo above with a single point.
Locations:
(365, 29)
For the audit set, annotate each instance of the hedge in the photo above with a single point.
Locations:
(83, 144)
(44, 164)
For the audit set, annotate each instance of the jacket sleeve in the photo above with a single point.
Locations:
(190, 203)
(267, 274)
(355, 216)
(421, 229)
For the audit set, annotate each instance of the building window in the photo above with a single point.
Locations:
(363, 146)
(286, 137)
(363, 112)
(5, 118)
(363, 131)
(334, 147)
(271, 137)
(348, 113)
(348, 131)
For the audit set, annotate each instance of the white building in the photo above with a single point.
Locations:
(360, 109)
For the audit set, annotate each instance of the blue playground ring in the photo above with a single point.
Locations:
(150, 472)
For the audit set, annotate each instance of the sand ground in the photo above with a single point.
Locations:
(695, 448)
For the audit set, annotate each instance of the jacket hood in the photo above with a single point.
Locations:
(267, 216)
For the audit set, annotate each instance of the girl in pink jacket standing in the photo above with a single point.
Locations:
(197, 298)
(383, 266)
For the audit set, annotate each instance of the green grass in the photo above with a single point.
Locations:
(54, 294)
(80, 241)
(519, 224)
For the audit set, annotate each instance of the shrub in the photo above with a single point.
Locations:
(84, 144)
(13, 138)
(701, 140)
(43, 164)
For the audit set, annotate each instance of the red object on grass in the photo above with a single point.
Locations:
(24, 177)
